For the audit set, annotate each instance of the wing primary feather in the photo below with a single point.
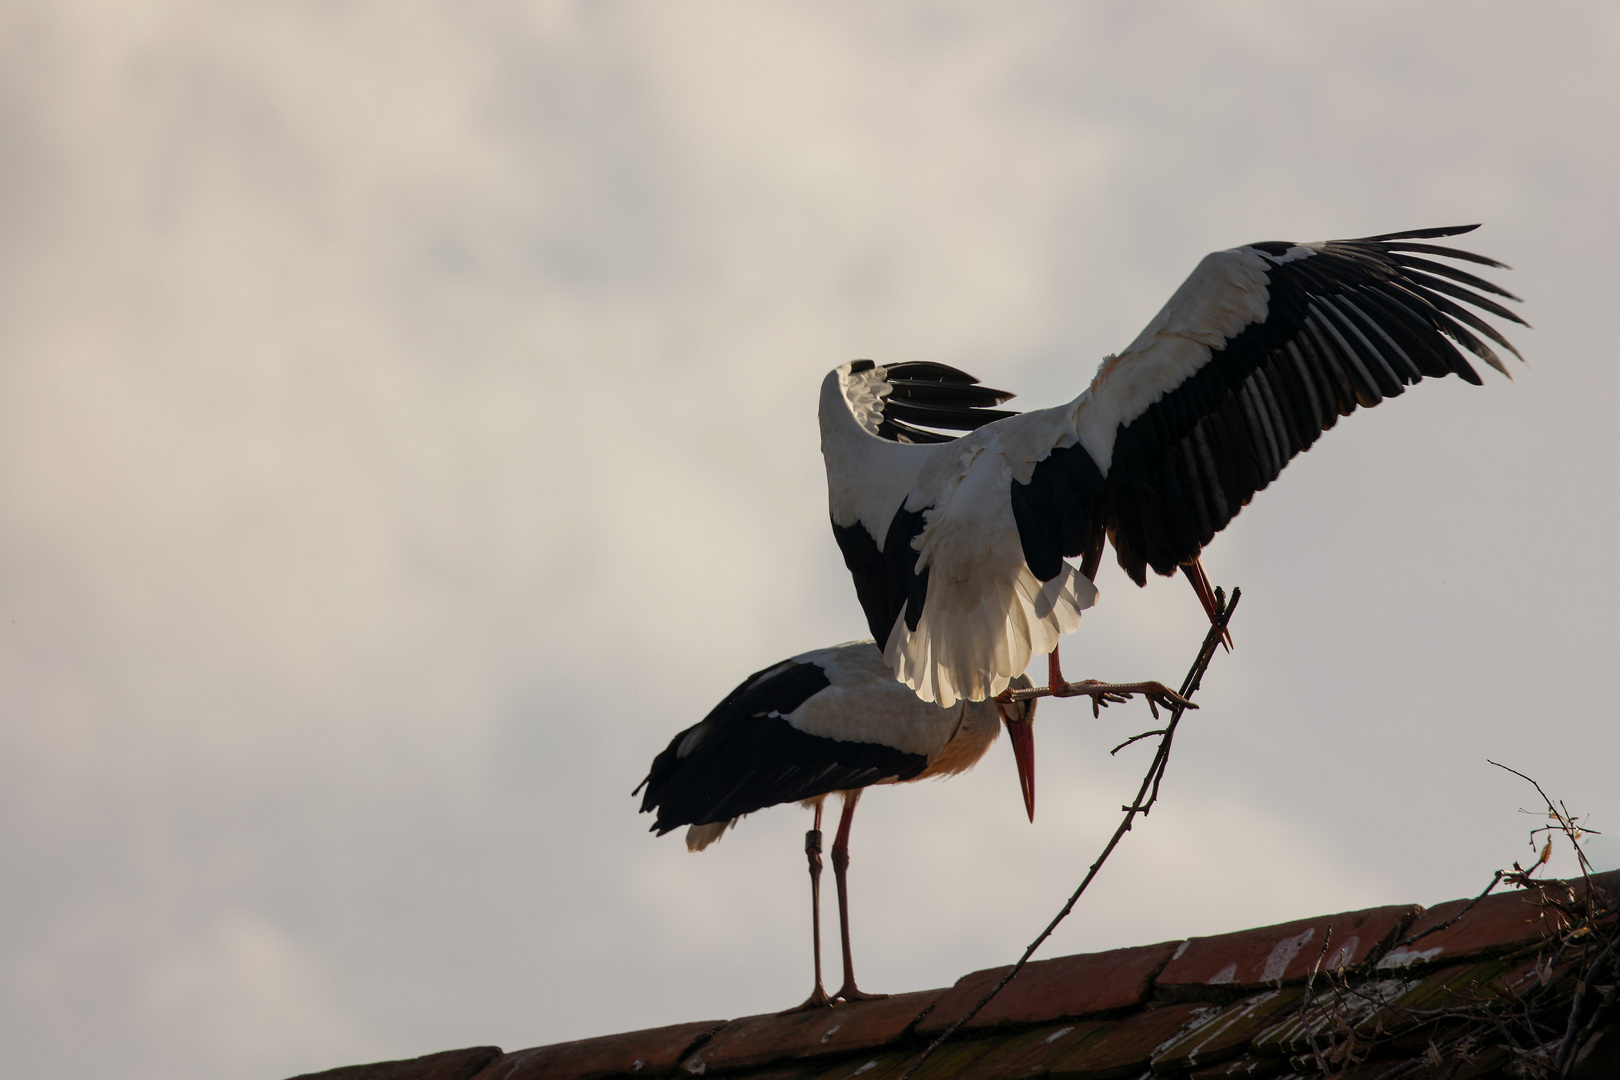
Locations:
(1339, 391)
(1368, 352)
(1206, 530)
(896, 431)
(1365, 321)
(1422, 342)
(943, 416)
(915, 399)
(1259, 434)
(1282, 383)
(1455, 327)
(929, 371)
(1220, 511)
(1363, 391)
(1449, 253)
(1418, 234)
(1236, 457)
(946, 393)
(1287, 442)
(1325, 417)
(1467, 296)
(1461, 276)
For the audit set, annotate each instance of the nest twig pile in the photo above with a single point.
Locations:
(1546, 1011)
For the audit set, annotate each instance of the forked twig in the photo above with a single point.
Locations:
(1566, 824)
(1146, 796)
(1135, 739)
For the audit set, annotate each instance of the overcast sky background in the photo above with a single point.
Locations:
(407, 424)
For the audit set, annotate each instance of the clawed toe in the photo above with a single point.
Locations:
(817, 1000)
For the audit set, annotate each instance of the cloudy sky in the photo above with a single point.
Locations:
(407, 424)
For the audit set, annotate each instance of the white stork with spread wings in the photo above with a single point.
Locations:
(957, 543)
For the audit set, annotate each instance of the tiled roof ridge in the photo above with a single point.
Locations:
(1226, 1002)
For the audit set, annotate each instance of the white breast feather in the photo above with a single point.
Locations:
(985, 614)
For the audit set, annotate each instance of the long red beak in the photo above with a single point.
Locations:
(1022, 733)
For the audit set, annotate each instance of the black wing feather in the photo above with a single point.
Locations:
(1464, 277)
(886, 578)
(938, 397)
(1350, 325)
(1416, 234)
(749, 757)
(1451, 253)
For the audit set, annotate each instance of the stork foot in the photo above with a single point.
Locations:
(1104, 694)
(850, 992)
(818, 999)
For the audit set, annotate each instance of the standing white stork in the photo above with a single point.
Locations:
(828, 720)
(957, 544)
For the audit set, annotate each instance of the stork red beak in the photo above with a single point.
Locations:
(1022, 732)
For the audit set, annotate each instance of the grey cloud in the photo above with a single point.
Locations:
(406, 424)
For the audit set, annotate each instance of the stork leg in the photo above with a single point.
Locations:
(1054, 671)
(840, 860)
(818, 998)
(1193, 571)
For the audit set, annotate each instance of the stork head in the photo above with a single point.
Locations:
(1019, 718)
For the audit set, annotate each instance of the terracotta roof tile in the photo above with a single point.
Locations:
(1499, 923)
(1058, 989)
(1287, 951)
(445, 1065)
(879, 1066)
(1496, 924)
(1464, 984)
(1029, 1055)
(1298, 1030)
(653, 1052)
(1227, 1034)
(1126, 1046)
(758, 1040)
(948, 1061)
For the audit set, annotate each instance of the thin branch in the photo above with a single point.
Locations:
(1134, 739)
(1146, 796)
(1495, 881)
(1309, 997)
